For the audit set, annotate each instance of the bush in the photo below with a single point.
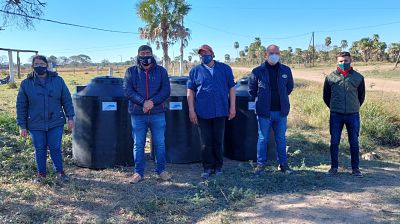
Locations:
(379, 126)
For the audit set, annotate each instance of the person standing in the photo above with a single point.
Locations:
(209, 86)
(344, 93)
(43, 105)
(146, 86)
(271, 84)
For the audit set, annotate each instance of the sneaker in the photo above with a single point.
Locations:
(332, 172)
(285, 169)
(259, 170)
(206, 174)
(218, 172)
(62, 177)
(164, 176)
(136, 178)
(356, 173)
(39, 178)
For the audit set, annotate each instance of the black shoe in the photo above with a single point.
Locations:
(356, 173)
(206, 173)
(218, 172)
(332, 172)
(259, 170)
(285, 169)
(39, 178)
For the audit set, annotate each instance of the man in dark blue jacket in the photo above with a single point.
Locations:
(209, 86)
(146, 86)
(271, 84)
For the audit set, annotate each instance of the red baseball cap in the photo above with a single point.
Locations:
(205, 47)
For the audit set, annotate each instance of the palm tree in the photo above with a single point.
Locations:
(236, 46)
(227, 58)
(163, 20)
(365, 45)
(343, 44)
(328, 41)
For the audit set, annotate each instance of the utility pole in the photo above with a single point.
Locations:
(181, 56)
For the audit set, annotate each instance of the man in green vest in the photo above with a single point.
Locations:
(344, 93)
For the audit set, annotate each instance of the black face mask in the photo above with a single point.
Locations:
(146, 60)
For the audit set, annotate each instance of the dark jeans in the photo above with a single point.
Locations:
(51, 140)
(336, 123)
(212, 141)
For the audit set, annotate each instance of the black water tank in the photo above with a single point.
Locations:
(241, 133)
(102, 134)
(181, 137)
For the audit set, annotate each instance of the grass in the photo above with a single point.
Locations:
(390, 74)
(105, 196)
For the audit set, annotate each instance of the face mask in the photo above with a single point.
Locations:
(40, 70)
(145, 60)
(273, 59)
(206, 59)
(344, 66)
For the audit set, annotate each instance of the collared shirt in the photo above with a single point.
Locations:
(211, 69)
(212, 91)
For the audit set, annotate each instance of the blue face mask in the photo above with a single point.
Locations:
(206, 59)
(40, 70)
(344, 66)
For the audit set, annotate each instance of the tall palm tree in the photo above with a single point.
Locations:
(236, 46)
(343, 44)
(163, 20)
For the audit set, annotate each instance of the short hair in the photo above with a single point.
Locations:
(145, 47)
(40, 57)
(271, 45)
(343, 54)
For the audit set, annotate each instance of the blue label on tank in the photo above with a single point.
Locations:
(252, 106)
(109, 106)
(175, 105)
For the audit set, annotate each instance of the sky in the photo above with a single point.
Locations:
(218, 23)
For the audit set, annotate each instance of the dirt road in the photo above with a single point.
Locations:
(318, 75)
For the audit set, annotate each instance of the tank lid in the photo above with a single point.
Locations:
(178, 79)
(107, 79)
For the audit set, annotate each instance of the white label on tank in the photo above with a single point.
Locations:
(252, 106)
(175, 105)
(109, 106)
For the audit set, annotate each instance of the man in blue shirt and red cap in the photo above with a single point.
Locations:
(209, 86)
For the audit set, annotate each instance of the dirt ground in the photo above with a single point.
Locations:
(351, 201)
(372, 199)
(318, 75)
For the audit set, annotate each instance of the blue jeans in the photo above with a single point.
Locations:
(278, 124)
(140, 125)
(43, 140)
(336, 123)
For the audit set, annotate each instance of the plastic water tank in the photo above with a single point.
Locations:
(182, 138)
(102, 136)
(241, 133)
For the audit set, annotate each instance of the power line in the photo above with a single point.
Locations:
(67, 24)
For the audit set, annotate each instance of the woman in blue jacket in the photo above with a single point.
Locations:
(43, 104)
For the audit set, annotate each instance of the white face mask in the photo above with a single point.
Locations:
(273, 59)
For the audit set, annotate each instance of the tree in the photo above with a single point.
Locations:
(63, 61)
(105, 62)
(52, 60)
(18, 12)
(236, 46)
(328, 42)
(227, 58)
(84, 59)
(393, 51)
(163, 19)
(343, 44)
